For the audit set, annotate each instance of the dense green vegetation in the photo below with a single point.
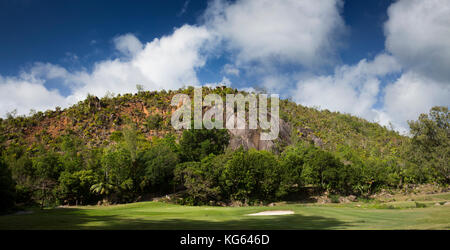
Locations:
(6, 188)
(84, 162)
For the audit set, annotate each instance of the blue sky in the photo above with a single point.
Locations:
(382, 60)
(54, 31)
(49, 30)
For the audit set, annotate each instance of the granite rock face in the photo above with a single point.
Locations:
(251, 138)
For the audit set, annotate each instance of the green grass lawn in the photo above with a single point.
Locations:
(157, 215)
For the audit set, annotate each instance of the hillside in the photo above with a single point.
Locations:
(94, 120)
(123, 148)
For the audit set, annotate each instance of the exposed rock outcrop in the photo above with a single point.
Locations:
(251, 138)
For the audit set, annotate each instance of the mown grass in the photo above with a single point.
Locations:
(158, 215)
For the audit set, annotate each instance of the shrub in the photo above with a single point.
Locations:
(202, 179)
(334, 198)
(420, 205)
(323, 169)
(251, 176)
(154, 122)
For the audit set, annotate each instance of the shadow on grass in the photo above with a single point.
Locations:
(73, 218)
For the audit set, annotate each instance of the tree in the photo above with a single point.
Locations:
(116, 182)
(158, 163)
(121, 176)
(102, 188)
(202, 179)
(140, 88)
(47, 167)
(430, 143)
(322, 168)
(20, 164)
(195, 144)
(198, 183)
(72, 149)
(7, 189)
(154, 122)
(251, 176)
(74, 188)
(131, 140)
(291, 162)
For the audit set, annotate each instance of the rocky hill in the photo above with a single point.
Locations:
(95, 119)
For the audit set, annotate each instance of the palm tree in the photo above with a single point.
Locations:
(102, 188)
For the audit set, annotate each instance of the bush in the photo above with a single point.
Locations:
(24, 195)
(251, 176)
(420, 205)
(154, 122)
(334, 198)
(199, 184)
(201, 179)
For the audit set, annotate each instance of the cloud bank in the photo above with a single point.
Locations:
(417, 47)
(168, 62)
(290, 31)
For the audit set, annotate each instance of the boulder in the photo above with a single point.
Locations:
(352, 198)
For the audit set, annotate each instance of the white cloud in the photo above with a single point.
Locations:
(288, 31)
(275, 82)
(357, 89)
(166, 63)
(184, 9)
(225, 82)
(418, 39)
(22, 95)
(169, 62)
(230, 70)
(418, 35)
(411, 95)
(128, 44)
(46, 71)
(351, 89)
